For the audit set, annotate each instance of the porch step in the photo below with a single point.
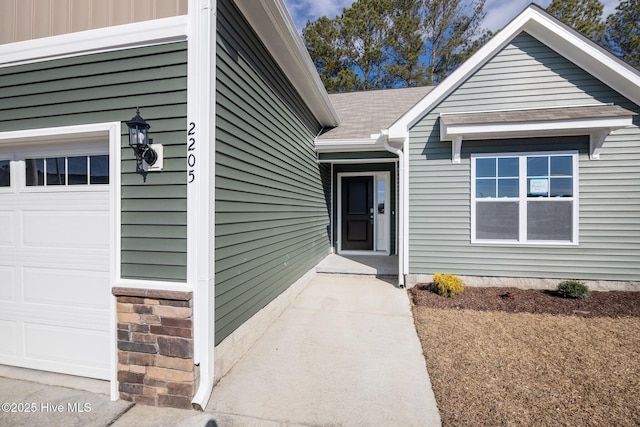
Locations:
(366, 265)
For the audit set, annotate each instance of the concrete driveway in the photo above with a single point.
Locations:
(345, 353)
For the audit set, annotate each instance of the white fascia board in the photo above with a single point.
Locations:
(344, 145)
(532, 129)
(552, 33)
(273, 24)
(157, 31)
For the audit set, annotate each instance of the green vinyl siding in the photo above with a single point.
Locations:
(526, 74)
(271, 212)
(107, 87)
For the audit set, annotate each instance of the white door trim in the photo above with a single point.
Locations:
(376, 175)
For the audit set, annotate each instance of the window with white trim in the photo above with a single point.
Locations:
(527, 198)
(67, 170)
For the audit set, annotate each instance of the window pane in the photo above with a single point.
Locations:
(99, 169)
(77, 170)
(508, 187)
(485, 188)
(485, 168)
(55, 171)
(561, 187)
(508, 167)
(34, 171)
(549, 220)
(537, 166)
(5, 173)
(497, 220)
(561, 165)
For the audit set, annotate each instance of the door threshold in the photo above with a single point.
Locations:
(375, 253)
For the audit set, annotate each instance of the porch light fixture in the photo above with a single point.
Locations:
(140, 142)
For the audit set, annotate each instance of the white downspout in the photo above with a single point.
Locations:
(201, 125)
(400, 208)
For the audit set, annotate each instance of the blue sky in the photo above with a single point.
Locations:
(499, 12)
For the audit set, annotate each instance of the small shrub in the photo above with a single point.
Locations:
(573, 289)
(447, 285)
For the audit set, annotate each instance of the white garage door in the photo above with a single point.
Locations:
(54, 258)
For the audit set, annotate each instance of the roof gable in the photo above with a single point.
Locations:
(557, 36)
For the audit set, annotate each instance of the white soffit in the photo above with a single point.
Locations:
(345, 145)
(548, 30)
(273, 24)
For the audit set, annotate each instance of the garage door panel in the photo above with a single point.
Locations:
(66, 287)
(55, 268)
(49, 229)
(8, 276)
(8, 226)
(50, 345)
(8, 339)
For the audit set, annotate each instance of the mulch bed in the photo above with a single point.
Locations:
(515, 357)
(515, 300)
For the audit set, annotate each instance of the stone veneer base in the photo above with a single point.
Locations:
(155, 347)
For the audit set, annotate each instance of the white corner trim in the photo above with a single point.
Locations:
(273, 24)
(155, 31)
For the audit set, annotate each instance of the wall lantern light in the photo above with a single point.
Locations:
(140, 142)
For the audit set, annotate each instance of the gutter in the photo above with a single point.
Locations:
(401, 205)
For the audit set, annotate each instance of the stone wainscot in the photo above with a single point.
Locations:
(155, 347)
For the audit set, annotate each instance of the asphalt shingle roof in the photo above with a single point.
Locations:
(365, 113)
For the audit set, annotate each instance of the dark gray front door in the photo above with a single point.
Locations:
(357, 213)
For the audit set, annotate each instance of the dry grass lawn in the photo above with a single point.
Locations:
(493, 368)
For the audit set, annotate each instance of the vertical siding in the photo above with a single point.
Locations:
(31, 19)
(526, 74)
(108, 87)
(271, 213)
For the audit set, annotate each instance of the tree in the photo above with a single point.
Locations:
(406, 67)
(322, 39)
(393, 43)
(449, 32)
(364, 35)
(623, 32)
(583, 15)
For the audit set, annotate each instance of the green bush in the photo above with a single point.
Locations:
(447, 285)
(573, 289)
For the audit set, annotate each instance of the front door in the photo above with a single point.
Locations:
(357, 213)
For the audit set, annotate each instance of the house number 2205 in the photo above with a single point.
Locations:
(191, 155)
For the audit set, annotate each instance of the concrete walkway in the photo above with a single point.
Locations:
(345, 353)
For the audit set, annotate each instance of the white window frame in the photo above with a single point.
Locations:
(522, 199)
(46, 187)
